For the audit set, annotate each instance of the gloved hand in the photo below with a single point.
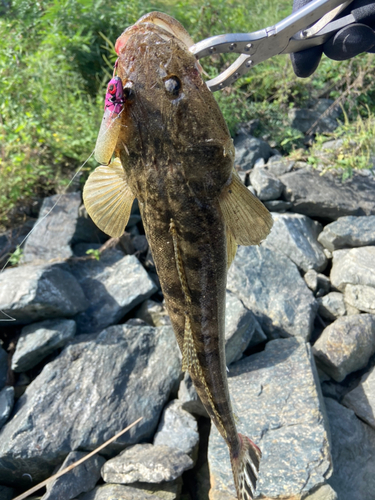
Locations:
(346, 43)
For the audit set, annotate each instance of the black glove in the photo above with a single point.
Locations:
(346, 43)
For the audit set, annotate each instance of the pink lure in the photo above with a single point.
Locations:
(114, 98)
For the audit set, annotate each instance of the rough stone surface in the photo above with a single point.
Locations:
(332, 306)
(325, 492)
(326, 196)
(249, 149)
(153, 313)
(355, 266)
(114, 285)
(278, 405)
(277, 165)
(98, 380)
(346, 345)
(39, 340)
(3, 367)
(269, 284)
(6, 404)
(295, 236)
(6, 493)
(349, 232)
(51, 237)
(137, 491)
(353, 445)
(35, 292)
(81, 479)
(240, 325)
(362, 399)
(189, 398)
(266, 185)
(361, 297)
(146, 463)
(311, 279)
(178, 429)
(318, 119)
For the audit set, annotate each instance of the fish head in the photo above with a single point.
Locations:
(170, 117)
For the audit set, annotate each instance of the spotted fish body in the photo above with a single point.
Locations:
(174, 153)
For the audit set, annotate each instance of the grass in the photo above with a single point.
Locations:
(55, 60)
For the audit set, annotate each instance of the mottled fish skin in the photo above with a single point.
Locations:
(177, 158)
(180, 157)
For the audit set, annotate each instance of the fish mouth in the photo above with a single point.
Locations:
(166, 25)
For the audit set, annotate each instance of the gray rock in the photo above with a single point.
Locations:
(326, 196)
(269, 284)
(86, 230)
(362, 399)
(278, 404)
(278, 205)
(81, 479)
(277, 165)
(295, 236)
(353, 446)
(88, 394)
(332, 306)
(52, 236)
(35, 292)
(355, 267)
(311, 279)
(6, 493)
(361, 297)
(324, 285)
(6, 404)
(349, 232)
(3, 366)
(114, 285)
(325, 492)
(305, 119)
(39, 340)
(146, 463)
(249, 149)
(259, 337)
(153, 313)
(137, 491)
(240, 325)
(189, 398)
(328, 253)
(266, 185)
(178, 429)
(346, 345)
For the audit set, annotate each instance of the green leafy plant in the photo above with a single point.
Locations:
(95, 252)
(16, 256)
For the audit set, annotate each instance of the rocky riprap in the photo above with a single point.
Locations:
(91, 350)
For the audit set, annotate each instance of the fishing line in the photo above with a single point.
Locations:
(10, 318)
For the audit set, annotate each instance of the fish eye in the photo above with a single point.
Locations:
(173, 85)
(129, 91)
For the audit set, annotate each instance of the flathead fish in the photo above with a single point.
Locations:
(175, 155)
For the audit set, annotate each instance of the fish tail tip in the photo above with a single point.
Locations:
(245, 468)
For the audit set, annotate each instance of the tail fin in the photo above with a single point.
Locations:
(245, 468)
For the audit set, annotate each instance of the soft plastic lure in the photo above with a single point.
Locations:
(110, 127)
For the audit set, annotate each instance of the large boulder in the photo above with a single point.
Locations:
(362, 398)
(346, 345)
(249, 149)
(114, 285)
(326, 196)
(295, 236)
(39, 340)
(35, 292)
(348, 232)
(278, 404)
(353, 454)
(269, 284)
(355, 267)
(53, 232)
(88, 394)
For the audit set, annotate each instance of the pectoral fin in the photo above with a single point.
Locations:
(108, 199)
(245, 216)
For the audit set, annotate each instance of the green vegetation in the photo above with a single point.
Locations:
(95, 252)
(55, 61)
